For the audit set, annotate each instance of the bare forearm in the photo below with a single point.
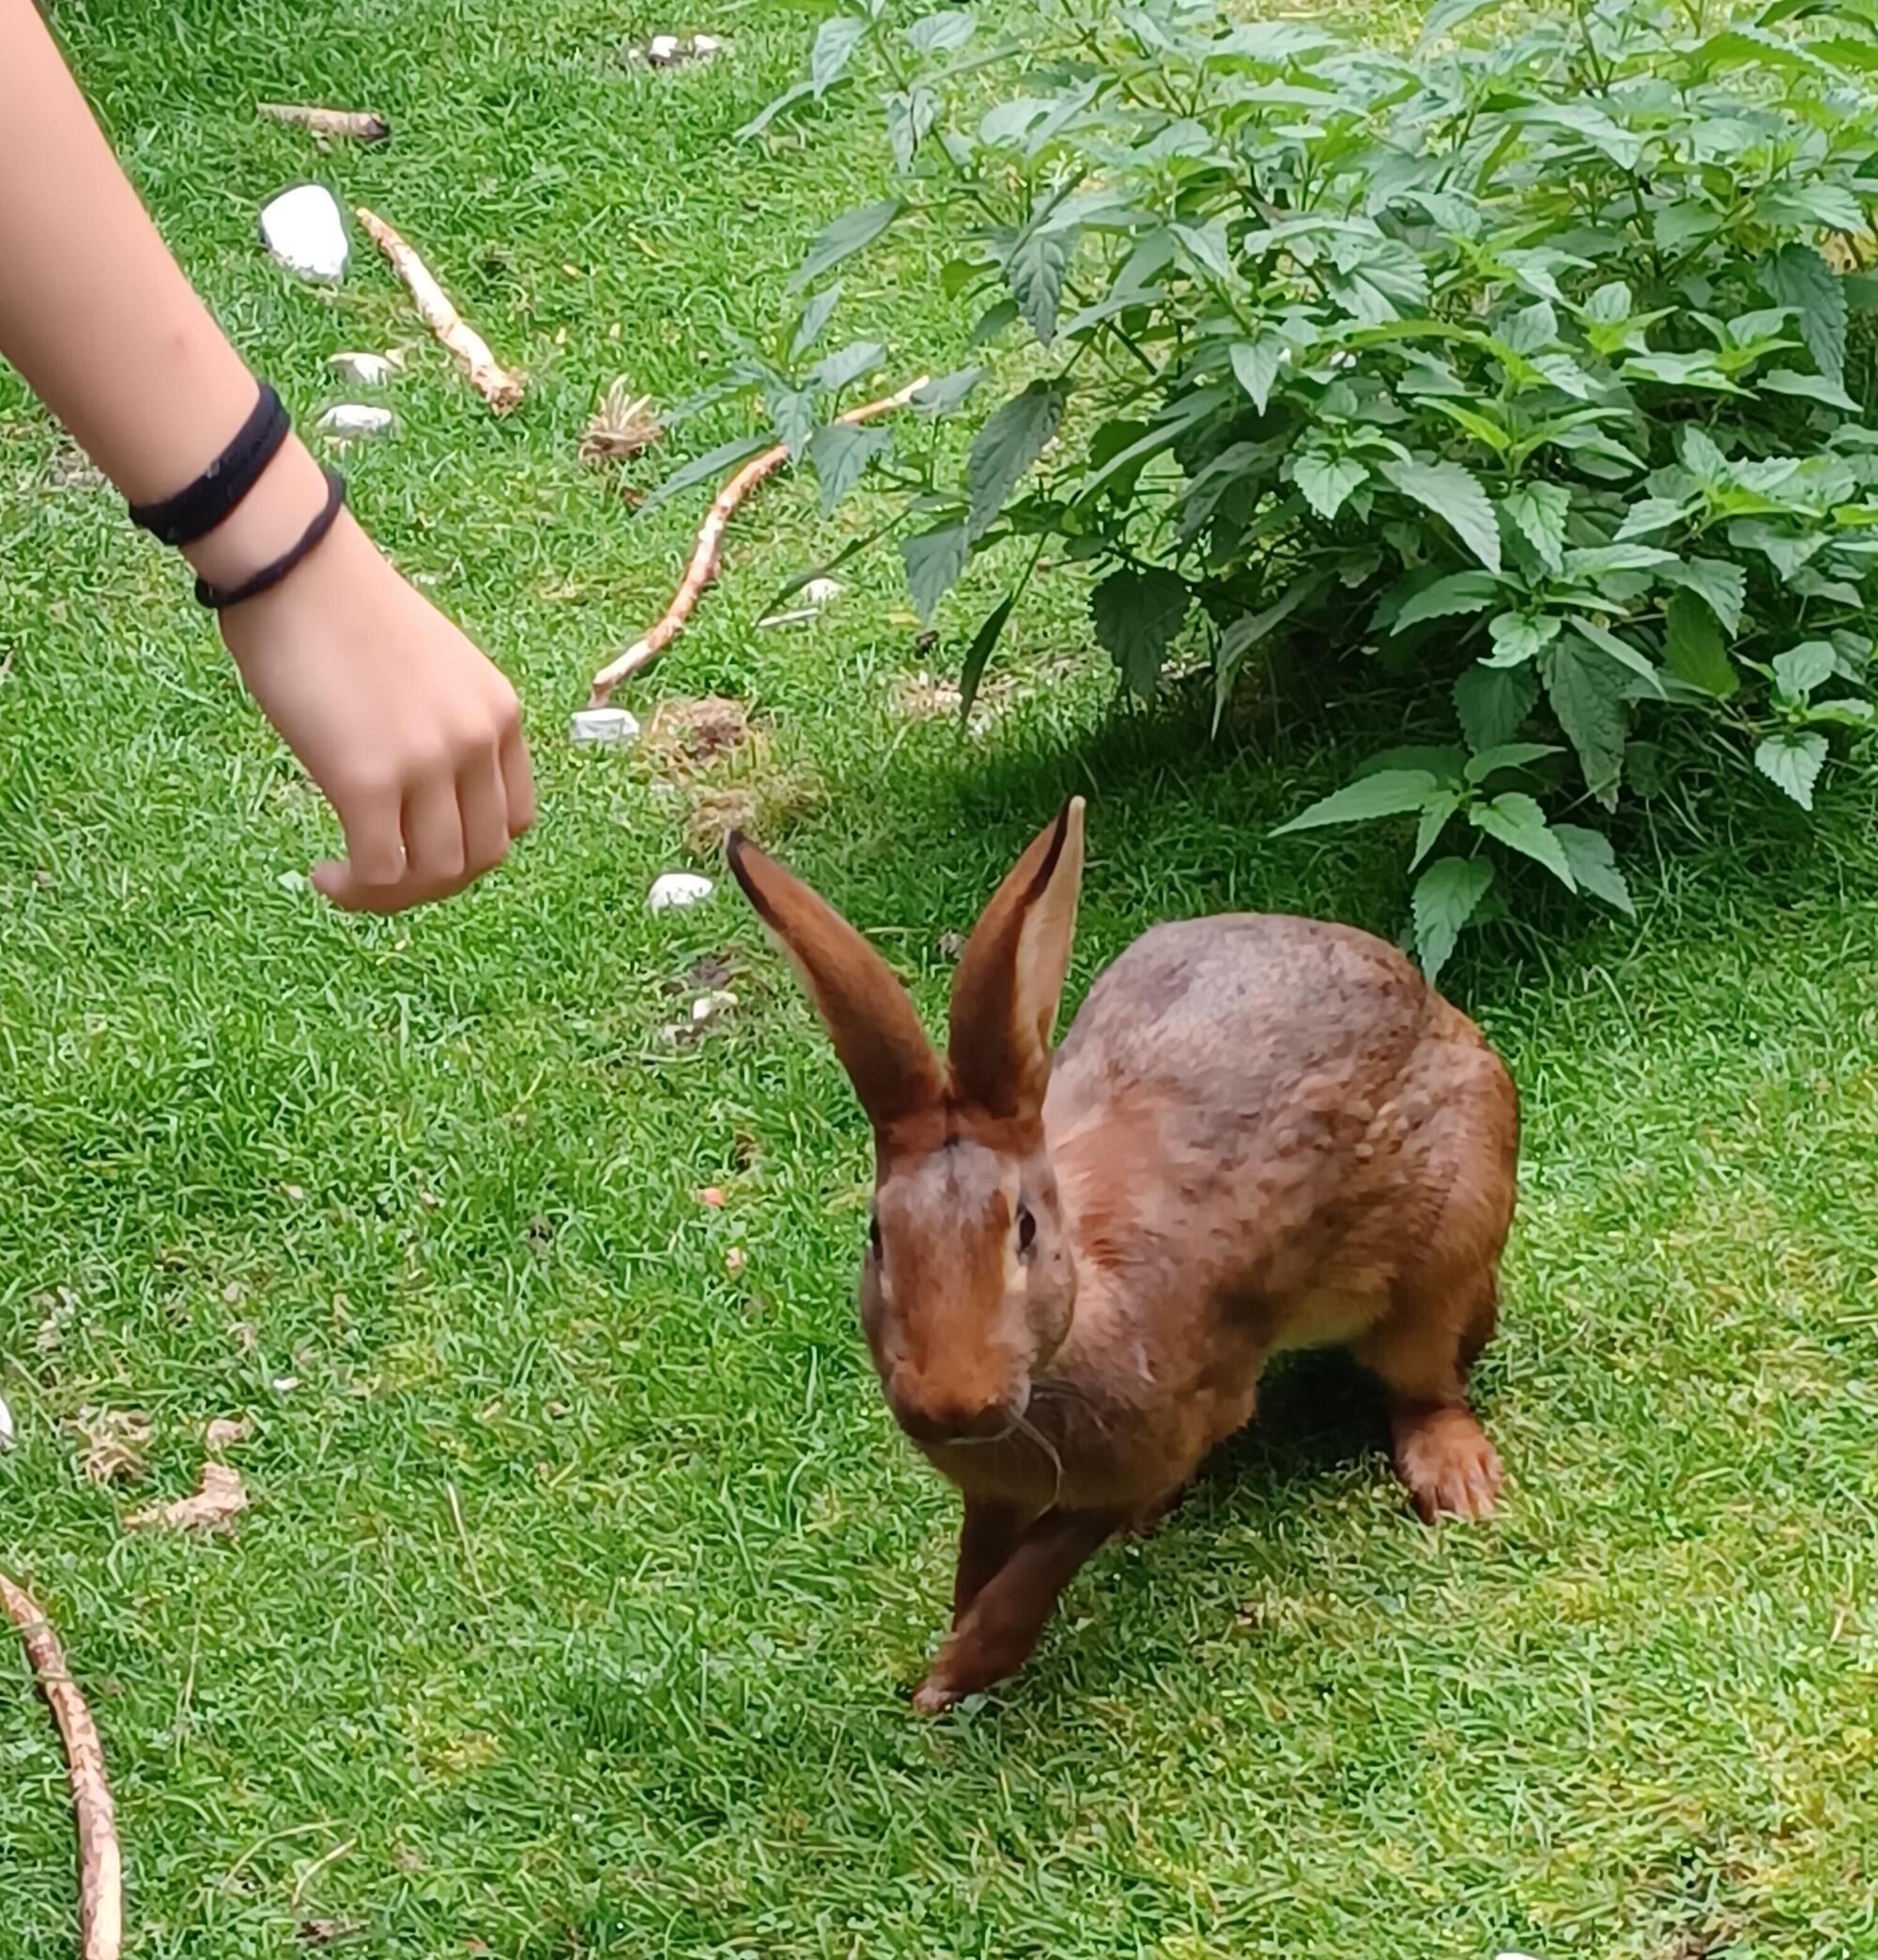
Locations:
(101, 323)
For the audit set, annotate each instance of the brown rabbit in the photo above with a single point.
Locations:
(1260, 1134)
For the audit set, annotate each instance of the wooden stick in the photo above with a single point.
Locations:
(708, 551)
(359, 124)
(500, 389)
(100, 1864)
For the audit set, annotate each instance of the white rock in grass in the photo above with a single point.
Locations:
(354, 419)
(678, 888)
(366, 370)
(8, 1434)
(603, 728)
(304, 229)
(705, 45)
(665, 51)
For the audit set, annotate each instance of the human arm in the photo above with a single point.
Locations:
(410, 734)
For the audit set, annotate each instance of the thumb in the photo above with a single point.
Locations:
(336, 881)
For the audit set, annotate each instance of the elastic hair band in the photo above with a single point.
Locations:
(194, 512)
(220, 598)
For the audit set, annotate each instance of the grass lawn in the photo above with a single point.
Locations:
(584, 1578)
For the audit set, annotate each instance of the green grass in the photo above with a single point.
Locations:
(584, 1577)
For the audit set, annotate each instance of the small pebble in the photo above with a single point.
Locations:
(366, 370)
(719, 1001)
(305, 231)
(678, 888)
(603, 728)
(712, 1198)
(8, 1435)
(735, 1260)
(354, 419)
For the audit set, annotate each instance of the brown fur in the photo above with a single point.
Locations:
(1260, 1134)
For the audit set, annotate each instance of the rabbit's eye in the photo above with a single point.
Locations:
(874, 1238)
(1027, 1229)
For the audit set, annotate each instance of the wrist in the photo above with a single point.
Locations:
(266, 522)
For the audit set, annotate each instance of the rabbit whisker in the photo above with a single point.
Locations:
(1025, 1427)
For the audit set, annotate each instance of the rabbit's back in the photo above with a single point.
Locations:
(1277, 1115)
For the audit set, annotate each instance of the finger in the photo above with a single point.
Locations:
(483, 803)
(517, 777)
(374, 864)
(433, 828)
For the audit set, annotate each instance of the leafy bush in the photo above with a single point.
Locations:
(1520, 363)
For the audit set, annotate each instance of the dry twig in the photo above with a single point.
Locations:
(359, 124)
(500, 389)
(708, 551)
(100, 1864)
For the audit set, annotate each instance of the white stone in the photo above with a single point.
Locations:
(8, 1434)
(664, 50)
(305, 230)
(603, 728)
(366, 370)
(354, 419)
(678, 888)
(720, 1001)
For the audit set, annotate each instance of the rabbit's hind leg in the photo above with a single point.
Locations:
(1422, 1351)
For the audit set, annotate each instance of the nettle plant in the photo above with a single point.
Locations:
(1520, 364)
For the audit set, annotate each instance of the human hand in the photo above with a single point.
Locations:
(410, 734)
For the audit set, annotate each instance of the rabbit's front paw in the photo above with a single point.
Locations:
(1452, 1470)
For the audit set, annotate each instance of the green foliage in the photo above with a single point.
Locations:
(1525, 364)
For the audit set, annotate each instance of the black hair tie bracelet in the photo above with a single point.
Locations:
(220, 598)
(194, 512)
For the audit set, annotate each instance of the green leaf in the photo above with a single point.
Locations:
(980, 651)
(1437, 807)
(1389, 793)
(1493, 703)
(1206, 245)
(933, 560)
(836, 40)
(841, 453)
(1798, 277)
(705, 468)
(796, 92)
(1447, 895)
(1540, 511)
(1327, 481)
(1693, 649)
(1136, 614)
(1518, 823)
(992, 321)
(1251, 627)
(1802, 668)
(1721, 587)
(1012, 438)
(792, 411)
(1273, 43)
(1600, 560)
(849, 233)
(947, 394)
(1619, 650)
(1586, 691)
(1848, 711)
(1785, 381)
(939, 33)
(815, 316)
(1593, 865)
(1792, 761)
(1459, 592)
(1507, 755)
(1445, 16)
(1651, 515)
(910, 115)
(1454, 493)
(859, 357)
(1520, 637)
(1035, 270)
(1256, 364)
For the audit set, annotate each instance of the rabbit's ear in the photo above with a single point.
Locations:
(1003, 1002)
(867, 1013)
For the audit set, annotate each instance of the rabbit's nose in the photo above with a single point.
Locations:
(930, 1413)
